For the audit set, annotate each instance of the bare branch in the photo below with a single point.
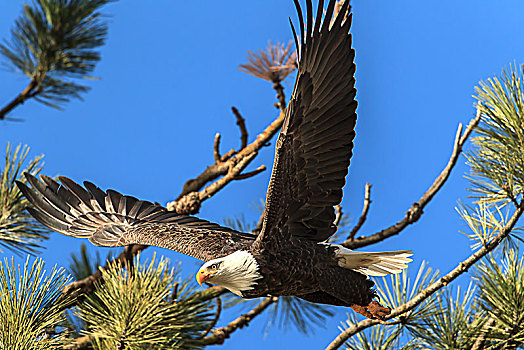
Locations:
(281, 97)
(251, 173)
(232, 174)
(29, 92)
(338, 215)
(228, 155)
(241, 122)
(441, 282)
(364, 215)
(416, 210)
(231, 169)
(219, 335)
(216, 148)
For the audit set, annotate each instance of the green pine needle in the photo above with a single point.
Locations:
(19, 231)
(400, 289)
(501, 296)
(55, 43)
(456, 324)
(133, 309)
(497, 162)
(82, 265)
(30, 306)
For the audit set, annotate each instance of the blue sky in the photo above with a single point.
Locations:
(169, 77)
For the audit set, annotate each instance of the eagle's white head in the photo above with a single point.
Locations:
(237, 272)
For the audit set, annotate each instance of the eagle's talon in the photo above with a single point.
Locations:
(362, 310)
(378, 310)
(372, 311)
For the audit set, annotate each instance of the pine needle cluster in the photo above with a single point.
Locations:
(19, 231)
(135, 309)
(55, 43)
(31, 306)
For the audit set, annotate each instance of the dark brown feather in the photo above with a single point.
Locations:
(121, 220)
(315, 144)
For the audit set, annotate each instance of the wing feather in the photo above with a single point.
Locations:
(112, 219)
(314, 148)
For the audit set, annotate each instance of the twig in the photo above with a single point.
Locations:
(241, 122)
(338, 215)
(259, 225)
(441, 282)
(220, 334)
(30, 91)
(230, 169)
(174, 292)
(228, 155)
(416, 210)
(232, 174)
(215, 320)
(281, 97)
(251, 173)
(216, 148)
(364, 215)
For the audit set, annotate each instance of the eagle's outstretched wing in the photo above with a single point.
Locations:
(315, 144)
(111, 219)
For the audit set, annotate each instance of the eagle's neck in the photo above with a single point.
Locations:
(239, 272)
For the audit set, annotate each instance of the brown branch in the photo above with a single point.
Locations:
(416, 210)
(216, 148)
(441, 282)
(364, 215)
(338, 215)
(281, 97)
(30, 91)
(215, 319)
(189, 202)
(241, 122)
(251, 173)
(228, 155)
(219, 335)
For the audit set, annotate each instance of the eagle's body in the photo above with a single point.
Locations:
(288, 257)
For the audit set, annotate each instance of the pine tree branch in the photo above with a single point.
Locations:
(338, 215)
(241, 122)
(364, 215)
(30, 91)
(415, 211)
(440, 283)
(221, 334)
(86, 285)
(216, 148)
(281, 96)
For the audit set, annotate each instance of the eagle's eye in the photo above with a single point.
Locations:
(214, 266)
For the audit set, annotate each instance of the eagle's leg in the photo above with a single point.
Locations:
(372, 310)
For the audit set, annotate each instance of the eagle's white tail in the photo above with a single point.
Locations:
(372, 264)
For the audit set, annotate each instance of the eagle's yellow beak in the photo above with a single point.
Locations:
(202, 276)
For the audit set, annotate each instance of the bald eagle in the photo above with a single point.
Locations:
(289, 257)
